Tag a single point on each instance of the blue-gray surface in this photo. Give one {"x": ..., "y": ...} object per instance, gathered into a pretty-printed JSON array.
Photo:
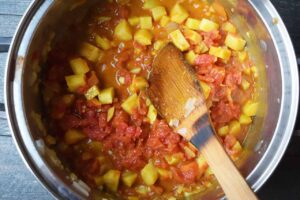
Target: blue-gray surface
[{"x": 17, "y": 182}]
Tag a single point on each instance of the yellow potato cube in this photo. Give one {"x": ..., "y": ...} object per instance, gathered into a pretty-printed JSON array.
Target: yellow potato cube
[
  {"x": 201, "y": 162},
  {"x": 245, "y": 84},
  {"x": 237, "y": 147},
  {"x": 90, "y": 52},
  {"x": 223, "y": 131},
  {"x": 136, "y": 70},
  {"x": 143, "y": 37},
  {"x": 247, "y": 71},
  {"x": 191, "y": 57},
  {"x": 134, "y": 21},
  {"x": 174, "y": 158},
  {"x": 92, "y": 92},
  {"x": 107, "y": 95},
  {"x": 75, "y": 81},
  {"x": 189, "y": 152},
  {"x": 158, "y": 44},
  {"x": 146, "y": 22},
  {"x": 208, "y": 25},
  {"x": 250, "y": 108},
  {"x": 164, "y": 173},
  {"x": 245, "y": 120},
  {"x": 179, "y": 40},
  {"x": 98, "y": 180},
  {"x": 111, "y": 179},
  {"x": 138, "y": 83},
  {"x": 178, "y": 14},
  {"x": 158, "y": 12},
  {"x": 123, "y": 31},
  {"x": 102, "y": 42},
  {"x": 254, "y": 71},
  {"x": 131, "y": 103},
  {"x": 149, "y": 4},
  {"x": 242, "y": 56},
  {"x": 149, "y": 174},
  {"x": 206, "y": 89},
  {"x": 235, "y": 43},
  {"x": 193, "y": 23},
  {"x": 142, "y": 189},
  {"x": 164, "y": 21},
  {"x": 79, "y": 66},
  {"x": 201, "y": 48},
  {"x": 193, "y": 37},
  {"x": 152, "y": 114},
  {"x": 128, "y": 178},
  {"x": 220, "y": 52},
  {"x": 234, "y": 127},
  {"x": 73, "y": 136},
  {"x": 229, "y": 27},
  {"x": 110, "y": 113}
]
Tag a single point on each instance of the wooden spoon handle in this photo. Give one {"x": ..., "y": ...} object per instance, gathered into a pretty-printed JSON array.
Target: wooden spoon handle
[{"x": 230, "y": 179}]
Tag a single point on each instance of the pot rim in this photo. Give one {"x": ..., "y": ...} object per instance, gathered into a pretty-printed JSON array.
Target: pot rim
[{"x": 267, "y": 164}]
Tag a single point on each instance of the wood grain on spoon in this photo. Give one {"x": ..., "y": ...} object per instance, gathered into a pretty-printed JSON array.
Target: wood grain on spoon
[{"x": 172, "y": 84}]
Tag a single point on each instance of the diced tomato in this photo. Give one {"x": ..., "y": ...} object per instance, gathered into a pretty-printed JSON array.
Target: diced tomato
[
  {"x": 123, "y": 12},
  {"x": 212, "y": 38},
  {"x": 190, "y": 171},
  {"x": 225, "y": 112},
  {"x": 233, "y": 78},
  {"x": 92, "y": 79},
  {"x": 205, "y": 60}
]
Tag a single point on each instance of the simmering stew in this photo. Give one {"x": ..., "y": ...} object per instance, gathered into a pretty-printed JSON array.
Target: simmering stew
[{"x": 101, "y": 122}]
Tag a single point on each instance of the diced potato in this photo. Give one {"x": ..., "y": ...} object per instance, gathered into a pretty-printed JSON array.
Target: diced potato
[
  {"x": 179, "y": 40},
  {"x": 220, "y": 52},
  {"x": 206, "y": 89},
  {"x": 73, "y": 136},
  {"x": 234, "y": 127},
  {"x": 250, "y": 108},
  {"x": 242, "y": 55},
  {"x": 75, "y": 81},
  {"x": 191, "y": 57},
  {"x": 229, "y": 27},
  {"x": 158, "y": 44},
  {"x": 245, "y": 84},
  {"x": 164, "y": 21},
  {"x": 152, "y": 114},
  {"x": 245, "y": 120},
  {"x": 235, "y": 43},
  {"x": 174, "y": 158},
  {"x": 143, "y": 37},
  {"x": 158, "y": 12},
  {"x": 247, "y": 71},
  {"x": 134, "y": 21},
  {"x": 208, "y": 25},
  {"x": 123, "y": 31},
  {"x": 142, "y": 189},
  {"x": 102, "y": 42},
  {"x": 189, "y": 152},
  {"x": 193, "y": 23},
  {"x": 90, "y": 52},
  {"x": 79, "y": 66},
  {"x": 110, "y": 113},
  {"x": 149, "y": 4},
  {"x": 130, "y": 103},
  {"x": 208, "y": 172},
  {"x": 128, "y": 178},
  {"x": 138, "y": 83},
  {"x": 201, "y": 48},
  {"x": 149, "y": 174},
  {"x": 223, "y": 131},
  {"x": 193, "y": 37},
  {"x": 146, "y": 22},
  {"x": 121, "y": 80},
  {"x": 136, "y": 70},
  {"x": 254, "y": 71},
  {"x": 107, "y": 95},
  {"x": 237, "y": 147},
  {"x": 50, "y": 140},
  {"x": 111, "y": 179},
  {"x": 201, "y": 162},
  {"x": 99, "y": 180},
  {"x": 164, "y": 173},
  {"x": 178, "y": 14},
  {"x": 92, "y": 92}
]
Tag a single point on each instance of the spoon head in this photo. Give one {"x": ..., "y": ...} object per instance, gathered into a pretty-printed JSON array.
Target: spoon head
[{"x": 174, "y": 89}]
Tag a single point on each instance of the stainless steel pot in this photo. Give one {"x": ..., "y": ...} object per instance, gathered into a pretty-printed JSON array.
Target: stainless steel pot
[{"x": 268, "y": 42}]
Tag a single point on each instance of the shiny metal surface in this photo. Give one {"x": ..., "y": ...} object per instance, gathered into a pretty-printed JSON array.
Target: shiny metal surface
[{"x": 270, "y": 47}]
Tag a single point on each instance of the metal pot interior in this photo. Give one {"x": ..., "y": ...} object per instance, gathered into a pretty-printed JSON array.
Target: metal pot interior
[{"x": 270, "y": 49}]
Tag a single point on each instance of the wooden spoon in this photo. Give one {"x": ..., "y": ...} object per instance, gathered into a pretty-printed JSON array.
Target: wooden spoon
[{"x": 175, "y": 92}]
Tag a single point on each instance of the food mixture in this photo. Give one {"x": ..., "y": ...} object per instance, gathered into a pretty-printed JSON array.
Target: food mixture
[{"x": 100, "y": 120}]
